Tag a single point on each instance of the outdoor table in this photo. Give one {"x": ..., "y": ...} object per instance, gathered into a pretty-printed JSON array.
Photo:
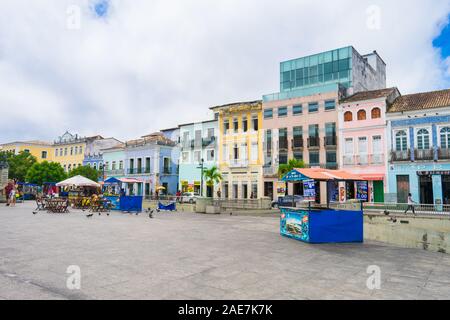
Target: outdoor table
[
  {"x": 56, "y": 205},
  {"x": 101, "y": 205}
]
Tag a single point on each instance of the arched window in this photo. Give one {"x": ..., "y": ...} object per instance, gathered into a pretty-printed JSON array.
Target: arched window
[
  {"x": 362, "y": 115},
  {"x": 401, "y": 141},
  {"x": 423, "y": 139},
  {"x": 69, "y": 167},
  {"x": 348, "y": 116},
  {"x": 376, "y": 113},
  {"x": 95, "y": 166},
  {"x": 445, "y": 138}
]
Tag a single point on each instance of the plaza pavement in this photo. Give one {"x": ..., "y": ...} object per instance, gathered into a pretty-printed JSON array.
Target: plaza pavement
[{"x": 191, "y": 256}]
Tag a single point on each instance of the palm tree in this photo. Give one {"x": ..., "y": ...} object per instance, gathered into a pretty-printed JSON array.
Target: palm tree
[
  {"x": 291, "y": 165},
  {"x": 212, "y": 176}
]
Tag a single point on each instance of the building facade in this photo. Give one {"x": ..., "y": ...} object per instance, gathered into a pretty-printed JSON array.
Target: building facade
[
  {"x": 198, "y": 144},
  {"x": 151, "y": 162},
  {"x": 240, "y": 154},
  {"x": 301, "y": 121},
  {"x": 419, "y": 148},
  {"x": 43, "y": 151},
  {"x": 362, "y": 133},
  {"x": 69, "y": 151},
  {"x": 114, "y": 161}
]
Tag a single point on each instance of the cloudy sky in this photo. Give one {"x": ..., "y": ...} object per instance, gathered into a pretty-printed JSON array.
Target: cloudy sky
[{"x": 125, "y": 68}]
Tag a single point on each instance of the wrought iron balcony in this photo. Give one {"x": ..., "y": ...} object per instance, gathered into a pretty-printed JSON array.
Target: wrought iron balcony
[
  {"x": 443, "y": 154},
  {"x": 118, "y": 172},
  {"x": 424, "y": 154},
  {"x": 349, "y": 160},
  {"x": 138, "y": 171},
  {"x": 283, "y": 144},
  {"x": 238, "y": 163},
  {"x": 270, "y": 171},
  {"x": 330, "y": 141},
  {"x": 362, "y": 159},
  {"x": 403, "y": 155},
  {"x": 209, "y": 142},
  {"x": 313, "y": 142},
  {"x": 297, "y": 142},
  {"x": 377, "y": 159}
]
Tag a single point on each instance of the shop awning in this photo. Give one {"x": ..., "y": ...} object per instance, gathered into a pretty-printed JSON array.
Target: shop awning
[
  {"x": 320, "y": 175},
  {"x": 130, "y": 180},
  {"x": 372, "y": 177}
]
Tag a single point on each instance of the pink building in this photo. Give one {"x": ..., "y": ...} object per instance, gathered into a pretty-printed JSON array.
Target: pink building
[{"x": 362, "y": 136}]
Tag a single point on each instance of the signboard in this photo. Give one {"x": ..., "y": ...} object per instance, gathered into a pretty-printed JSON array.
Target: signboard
[
  {"x": 281, "y": 189},
  {"x": 295, "y": 224},
  {"x": 294, "y": 175},
  {"x": 362, "y": 190},
  {"x": 309, "y": 190}
]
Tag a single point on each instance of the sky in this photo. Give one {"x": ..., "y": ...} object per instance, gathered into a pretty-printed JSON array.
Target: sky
[{"x": 126, "y": 68}]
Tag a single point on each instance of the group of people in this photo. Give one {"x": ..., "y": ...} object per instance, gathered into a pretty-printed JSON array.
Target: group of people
[{"x": 10, "y": 193}]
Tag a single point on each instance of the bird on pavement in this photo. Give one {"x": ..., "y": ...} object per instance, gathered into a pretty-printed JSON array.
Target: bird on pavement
[
  {"x": 35, "y": 212},
  {"x": 90, "y": 215}
]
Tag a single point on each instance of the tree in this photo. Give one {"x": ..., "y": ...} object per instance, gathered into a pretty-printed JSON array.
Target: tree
[
  {"x": 19, "y": 164},
  {"x": 39, "y": 173},
  {"x": 85, "y": 171},
  {"x": 291, "y": 165},
  {"x": 212, "y": 176}
]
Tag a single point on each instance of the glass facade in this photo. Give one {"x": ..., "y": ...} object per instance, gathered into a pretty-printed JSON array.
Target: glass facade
[{"x": 326, "y": 67}]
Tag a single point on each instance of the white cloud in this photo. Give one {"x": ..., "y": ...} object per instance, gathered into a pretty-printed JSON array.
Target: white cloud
[{"x": 154, "y": 64}]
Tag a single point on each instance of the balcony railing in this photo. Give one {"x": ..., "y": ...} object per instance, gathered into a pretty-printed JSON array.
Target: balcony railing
[
  {"x": 167, "y": 171},
  {"x": 238, "y": 163},
  {"x": 443, "y": 154},
  {"x": 330, "y": 141},
  {"x": 426, "y": 154},
  {"x": 209, "y": 142},
  {"x": 401, "y": 155},
  {"x": 270, "y": 171},
  {"x": 138, "y": 171},
  {"x": 363, "y": 159},
  {"x": 313, "y": 142},
  {"x": 283, "y": 144},
  {"x": 297, "y": 142},
  {"x": 118, "y": 172},
  {"x": 349, "y": 160}
]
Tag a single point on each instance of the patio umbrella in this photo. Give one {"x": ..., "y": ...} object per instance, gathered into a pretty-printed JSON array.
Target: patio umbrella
[
  {"x": 160, "y": 188},
  {"x": 78, "y": 181}
]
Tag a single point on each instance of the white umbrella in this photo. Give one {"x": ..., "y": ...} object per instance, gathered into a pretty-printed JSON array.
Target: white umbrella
[{"x": 78, "y": 181}]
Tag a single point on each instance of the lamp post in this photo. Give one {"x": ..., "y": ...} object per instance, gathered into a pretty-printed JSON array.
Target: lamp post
[{"x": 201, "y": 167}]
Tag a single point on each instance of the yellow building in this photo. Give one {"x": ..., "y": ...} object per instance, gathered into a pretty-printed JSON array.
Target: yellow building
[
  {"x": 43, "y": 151},
  {"x": 240, "y": 149},
  {"x": 69, "y": 151}
]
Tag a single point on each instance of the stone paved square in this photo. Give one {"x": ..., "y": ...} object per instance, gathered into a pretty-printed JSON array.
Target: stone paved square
[{"x": 191, "y": 256}]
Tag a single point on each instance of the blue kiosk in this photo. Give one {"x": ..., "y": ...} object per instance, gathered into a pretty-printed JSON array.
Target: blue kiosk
[
  {"x": 321, "y": 224},
  {"x": 122, "y": 202}
]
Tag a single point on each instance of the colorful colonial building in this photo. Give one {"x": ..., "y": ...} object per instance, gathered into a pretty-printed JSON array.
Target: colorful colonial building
[
  {"x": 240, "y": 149},
  {"x": 43, "y": 151},
  {"x": 418, "y": 135},
  {"x": 362, "y": 134},
  {"x": 199, "y": 147},
  {"x": 301, "y": 121}
]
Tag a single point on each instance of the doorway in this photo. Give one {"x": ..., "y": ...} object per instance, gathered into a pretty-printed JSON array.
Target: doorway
[
  {"x": 268, "y": 190},
  {"x": 350, "y": 190},
  {"x": 402, "y": 188},
  {"x": 298, "y": 189},
  {"x": 446, "y": 189},
  {"x": 378, "y": 192},
  {"x": 426, "y": 189}
]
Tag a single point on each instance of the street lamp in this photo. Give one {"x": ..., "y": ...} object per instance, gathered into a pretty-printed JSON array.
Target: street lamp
[{"x": 201, "y": 167}]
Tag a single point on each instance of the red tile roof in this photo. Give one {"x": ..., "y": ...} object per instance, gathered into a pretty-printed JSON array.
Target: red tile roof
[
  {"x": 421, "y": 101},
  {"x": 369, "y": 95}
]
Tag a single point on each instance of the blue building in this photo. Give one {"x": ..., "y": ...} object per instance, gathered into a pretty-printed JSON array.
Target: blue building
[
  {"x": 419, "y": 148},
  {"x": 93, "y": 156},
  {"x": 151, "y": 162},
  {"x": 198, "y": 141}
]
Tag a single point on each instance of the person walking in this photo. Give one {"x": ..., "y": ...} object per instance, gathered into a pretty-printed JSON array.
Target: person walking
[
  {"x": 12, "y": 197},
  {"x": 8, "y": 189},
  {"x": 411, "y": 203}
]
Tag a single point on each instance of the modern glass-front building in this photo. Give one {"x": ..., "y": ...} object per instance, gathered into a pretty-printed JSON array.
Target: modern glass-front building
[{"x": 301, "y": 121}]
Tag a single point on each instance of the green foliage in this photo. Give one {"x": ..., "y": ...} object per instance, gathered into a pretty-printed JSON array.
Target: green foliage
[
  {"x": 45, "y": 172},
  {"x": 212, "y": 176},
  {"x": 291, "y": 165},
  {"x": 19, "y": 164},
  {"x": 85, "y": 171}
]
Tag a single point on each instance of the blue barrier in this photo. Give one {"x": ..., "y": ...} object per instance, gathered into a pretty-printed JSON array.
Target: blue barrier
[{"x": 131, "y": 203}]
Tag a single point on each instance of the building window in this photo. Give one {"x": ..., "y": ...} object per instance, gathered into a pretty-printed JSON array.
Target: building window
[
  {"x": 65, "y": 151},
  {"x": 210, "y": 133},
  {"x": 283, "y": 158},
  {"x": 348, "y": 116},
  {"x": 81, "y": 150},
  {"x": 226, "y": 126},
  {"x": 71, "y": 151},
  {"x": 255, "y": 122},
  {"x": 197, "y": 156},
  {"x": 225, "y": 154},
  {"x": 362, "y": 115},
  {"x": 235, "y": 125},
  {"x": 423, "y": 139},
  {"x": 235, "y": 152},
  {"x": 401, "y": 141},
  {"x": 298, "y": 156},
  {"x": 210, "y": 155},
  {"x": 121, "y": 165},
  {"x": 254, "y": 151},
  {"x": 282, "y": 112},
  {"x": 313, "y": 107},
  {"x": 445, "y": 138},
  {"x": 314, "y": 159},
  {"x": 331, "y": 159},
  {"x": 376, "y": 113},
  {"x": 56, "y": 152},
  {"x": 330, "y": 105},
  {"x": 268, "y": 113},
  {"x": 69, "y": 168},
  {"x": 113, "y": 166},
  {"x": 76, "y": 150},
  {"x": 185, "y": 157},
  {"x": 44, "y": 155},
  {"x": 297, "y": 110},
  {"x": 244, "y": 124}
]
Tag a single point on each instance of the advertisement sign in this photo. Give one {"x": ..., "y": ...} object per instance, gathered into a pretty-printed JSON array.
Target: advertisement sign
[
  {"x": 309, "y": 190},
  {"x": 295, "y": 224},
  {"x": 281, "y": 189},
  {"x": 362, "y": 190}
]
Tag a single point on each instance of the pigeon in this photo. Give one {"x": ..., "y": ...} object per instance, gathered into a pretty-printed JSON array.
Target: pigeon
[
  {"x": 35, "y": 212},
  {"x": 107, "y": 214},
  {"x": 90, "y": 215},
  {"x": 150, "y": 214},
  {"x": 386, "y": 212},
  {"x": 231, "y": 213}
]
